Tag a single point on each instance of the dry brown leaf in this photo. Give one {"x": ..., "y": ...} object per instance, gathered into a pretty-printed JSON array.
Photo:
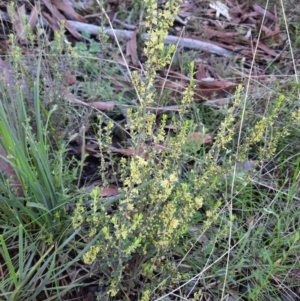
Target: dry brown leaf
[
  {"x": 109, "y": 191},
  {"x": 176, "y": 85},
  {"x": 236, "y": 9},
  {"x": 9, "y": 173},
  {"x": 250, "y": 16},
  {"x": 200, "y": 74},
  {"x": 175, "y": 75},
  {"x": 131, "y": 49},
  {"x": 205, "y": 87},
  {"x": 100, "y": 105},
  {"x": 218, "y": 84},
  {"x": 18, "y": 20},
  {"x": 8, "y": 79},
  {"x": 199, "y": 138},
  {"x": 202, "y": 94},
  {"x": 264, "y": 12},
  {"x": 215, "y": 33},
  {"x": 104, "y": 105},
  {"x": 59, "y": 17},
  {"x": 20, "y": 23},
  {"x": 236, "y": 20},
  {"x": 33, "y": 18},
  {"x": 274, "y": 34},
  {"x": 186, "y": 9},
  {"x": 53, "y": 23},
  {"x": 68, "y": 10},
  {"x": 267, "y": 50},
  {"x": 128, "y": 151},
  {"x": 69, "y": 78},
  {"x": 175, "y": 80},
  {"x": 6, "y": 73},
  {"x": 92, "y": 150}
]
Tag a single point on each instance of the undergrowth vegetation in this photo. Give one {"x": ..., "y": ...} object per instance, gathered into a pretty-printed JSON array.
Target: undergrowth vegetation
[{"x": 208, "y": 198}]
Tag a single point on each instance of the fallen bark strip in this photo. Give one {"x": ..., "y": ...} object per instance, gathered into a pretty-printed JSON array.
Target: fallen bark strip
[{"x": 127, "y": 35}]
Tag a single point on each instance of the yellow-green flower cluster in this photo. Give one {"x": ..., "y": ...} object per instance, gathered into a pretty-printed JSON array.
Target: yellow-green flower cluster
[
  {"x": 161, "y": 134},
  {"x": 145, "y": 88},
  {"x": 157, "y": 25},
  {"x": 90, "y": 256},
  {"x": 78, "y": 215},
  {"x": 226, "y": 131},
  {"x": 263, "y": 130},
  {"x": 212, "y": 215},
  {"x": 295, "y": 116},
  {"x": 104, "y": 139},
  {"x": 156, "y": 203},
  {"x": 175, "y": 145},
  {"x": 141, "y": 125},
  {"x": 188, "y": 93},
  {"x": 137, "y": 164},
  {"x": 146, "y": 295}
]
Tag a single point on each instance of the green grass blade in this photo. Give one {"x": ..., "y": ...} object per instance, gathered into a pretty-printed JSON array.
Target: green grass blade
[
  {"x": 31, "y": 272},
  {"x": 8, "y": 261},
  {"x": 21, "y": 253}
]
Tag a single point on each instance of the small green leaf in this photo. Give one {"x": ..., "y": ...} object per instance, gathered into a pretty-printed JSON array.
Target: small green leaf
[
  {"x": 85, "y": 34},
  {"x": 81, "y": 46},
  {"x": 94, "y": 48}
]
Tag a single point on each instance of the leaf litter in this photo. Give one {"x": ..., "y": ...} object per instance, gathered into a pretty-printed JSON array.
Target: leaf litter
[{"x": 227, "y": 30}]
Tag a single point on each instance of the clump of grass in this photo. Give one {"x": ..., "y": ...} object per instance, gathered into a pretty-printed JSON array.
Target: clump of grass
[{"x": 36, "y": 237}]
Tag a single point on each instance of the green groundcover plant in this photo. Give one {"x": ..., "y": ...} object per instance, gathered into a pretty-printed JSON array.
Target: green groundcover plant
[{"x": 140, "y": 239}]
